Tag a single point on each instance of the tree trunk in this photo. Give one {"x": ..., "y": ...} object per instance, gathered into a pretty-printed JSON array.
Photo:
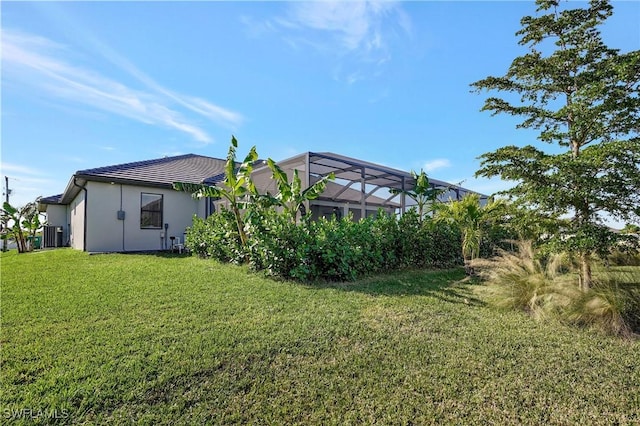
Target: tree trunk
[
  {"x": 21, "y": 243},
  {"x": 240, "y": 226},
  {"x": 586, "y": 277},
  {"x": 468, "y": 266},
  {"x": 469, "y": 269}
]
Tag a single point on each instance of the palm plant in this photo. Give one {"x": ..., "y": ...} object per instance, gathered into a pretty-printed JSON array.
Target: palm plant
[
  {"x": 630, "y": 228},
  {"x": 470, "y": 217}
]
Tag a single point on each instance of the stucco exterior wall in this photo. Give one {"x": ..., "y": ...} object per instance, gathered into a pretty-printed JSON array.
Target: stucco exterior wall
[
  {"x": 76, "y": 220},
  {"x": 58, "y": 215},
  {"x": 107, "y": 233}
]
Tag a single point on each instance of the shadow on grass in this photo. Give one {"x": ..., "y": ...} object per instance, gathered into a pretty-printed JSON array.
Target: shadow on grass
[
  {"x": 450, "y": 285},
  {"x": 165, "y": 254}
]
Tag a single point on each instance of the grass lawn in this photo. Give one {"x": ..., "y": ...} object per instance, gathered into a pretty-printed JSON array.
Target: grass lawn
[{"x": 153, "y": 339}]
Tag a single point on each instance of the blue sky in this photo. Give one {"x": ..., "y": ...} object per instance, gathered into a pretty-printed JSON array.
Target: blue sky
[{"x": 89, "y": 84}]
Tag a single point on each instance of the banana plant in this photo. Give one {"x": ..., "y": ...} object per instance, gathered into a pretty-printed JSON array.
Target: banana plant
[
  {"x": 21, "y": 223},
  {"x": 291, "y": 197},
  {"x": 422, "y": 193},
  {"x": 236, "y": 187}
]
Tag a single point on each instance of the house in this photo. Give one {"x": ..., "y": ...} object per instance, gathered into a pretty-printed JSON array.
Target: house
[
  {"x": 128, "y": 207},
  {"x": 133, "y": 207}
]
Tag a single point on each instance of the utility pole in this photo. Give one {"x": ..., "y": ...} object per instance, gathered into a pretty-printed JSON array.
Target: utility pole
[{"x": 7, "y": 191}]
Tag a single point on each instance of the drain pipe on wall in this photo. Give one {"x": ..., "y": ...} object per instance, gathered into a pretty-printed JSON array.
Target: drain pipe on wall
[
  {"x": 86, "y": 205},
  {"x": 123, "y": 217}
]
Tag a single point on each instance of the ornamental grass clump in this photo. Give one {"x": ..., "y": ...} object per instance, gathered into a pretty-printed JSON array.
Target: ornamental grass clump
[
  {"x": 520, "y": 280},
  {"x": 547, "y": 288},
  {"x": 612, "y": 304}
]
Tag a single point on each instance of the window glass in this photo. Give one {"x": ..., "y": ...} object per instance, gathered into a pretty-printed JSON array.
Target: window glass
[{"x": 151, "y": 211}]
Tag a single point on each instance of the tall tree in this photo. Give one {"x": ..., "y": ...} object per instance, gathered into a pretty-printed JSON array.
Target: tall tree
[{"x": 584, "y": 98}]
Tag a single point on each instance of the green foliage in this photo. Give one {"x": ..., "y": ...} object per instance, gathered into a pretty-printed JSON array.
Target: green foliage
[
  {"x": 423, "y": 193},
  {"x": 291, "y": 197},
  {"x": 522, "y": 223},
  {"x": 327, "y": 249},
  {"x": 236, "y": 186},
  {"x": 22, "y": 224},
  {"x": 334, "y": 250},
  {"x": 612, "y": 304},
  {"x": 546, "y": 288},
  {"x": 623, "y": 258},
  {"x": 582, "y": 96},
  {"x": 472, "y": 221},
  {"x": 497, "y": 235},
  {"x": 216, "y": 237},
  {"x": 522, "y": 280},
  {"x": 276, "y": 244},
  {"x": 631, "y": 228}
]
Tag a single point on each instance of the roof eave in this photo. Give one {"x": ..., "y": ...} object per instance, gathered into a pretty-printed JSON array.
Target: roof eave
[
  {"x": 72, "y": 189},
  {"x": 78, "y": 181},
  {"x": 124, "y": 181}
]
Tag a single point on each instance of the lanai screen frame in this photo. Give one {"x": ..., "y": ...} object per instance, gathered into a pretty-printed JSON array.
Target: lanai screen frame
[{"x": 319, "y": 164}]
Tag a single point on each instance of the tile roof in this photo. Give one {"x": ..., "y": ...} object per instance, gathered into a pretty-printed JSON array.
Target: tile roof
[
  {"x": 53, "y": 199},
  {"x": 190, "y": 168},
  {"x": 215, "y": 179},
  {"x": 212, "y": 180}
]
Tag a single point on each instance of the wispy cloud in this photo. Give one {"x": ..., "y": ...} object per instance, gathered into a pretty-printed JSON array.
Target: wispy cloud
[
  {"x": 25, "y": 182},
  {"x": 39, "y": 62},
  {"x": 357, "y": 32},
  {"x": 73, "y": 159},
  {"x": 439, "y": 163},
  {"x": 354, "y": 25},
  {"x": 349, "y": 22},
  {"x": 164, "y": 154},
  {"x": 8, "y": 168}
]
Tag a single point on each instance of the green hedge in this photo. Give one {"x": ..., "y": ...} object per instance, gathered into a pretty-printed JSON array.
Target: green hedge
[{"x": 326, "y": 249}]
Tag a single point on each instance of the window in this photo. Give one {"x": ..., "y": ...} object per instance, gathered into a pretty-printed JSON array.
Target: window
[
  {"x": 212, "y": 206},
  {"x": 150, "y": 211}
]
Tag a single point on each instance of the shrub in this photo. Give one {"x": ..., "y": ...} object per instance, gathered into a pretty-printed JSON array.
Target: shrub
[
  {"x": 277, "y": 245},
  {"x": 385, "y": 230},
  {"x": 411, "y": 244},
  {"x": 216, "y": 237},
  {"x": 326, "y": 249},
  {"x": 442, "y": 245}
]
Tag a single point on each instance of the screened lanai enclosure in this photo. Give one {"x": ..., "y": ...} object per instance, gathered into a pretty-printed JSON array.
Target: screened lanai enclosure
[{"x": 360, "y": 188}]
